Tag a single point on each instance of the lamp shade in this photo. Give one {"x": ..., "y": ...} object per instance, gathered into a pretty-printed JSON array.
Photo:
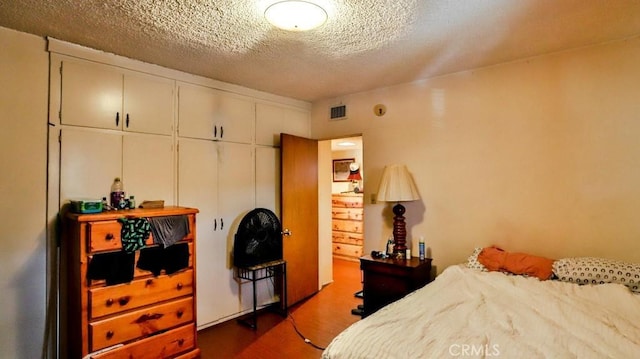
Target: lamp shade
[{"x": 397, "y": 185}]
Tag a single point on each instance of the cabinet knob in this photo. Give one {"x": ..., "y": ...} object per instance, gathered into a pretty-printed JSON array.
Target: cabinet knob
[
  {"x": 180, "y": 313},
  {"x": 124, "y": 300},
  {"x": 148, "y": 282},
  {"x": 179, "y": 286},
  {"x": 180, "y": 342},
  {"x": 127, "y": 121},
  {"x": 109, "y": 302},
  {"x": 117, "y": 119},
  {"x": 286, "y": 232},
  {"x": 109, "y": 236},
  {"x": 110, "y": 334}
]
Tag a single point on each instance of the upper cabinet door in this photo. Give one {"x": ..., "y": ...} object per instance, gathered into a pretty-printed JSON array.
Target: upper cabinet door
[
  {"x": 268, "y": 124},
  {"x": 236, "y": 118},
  {"x": 272, "y": 120},
  {"x": 91, "y": 95},
  {"x": 101, "y": 96},
  {"x": 148, "y": 104},
  {"x": 214, "y": 115}
]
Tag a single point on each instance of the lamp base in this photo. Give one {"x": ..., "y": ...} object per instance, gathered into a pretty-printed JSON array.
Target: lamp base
[{"x": 399, "y": 232}]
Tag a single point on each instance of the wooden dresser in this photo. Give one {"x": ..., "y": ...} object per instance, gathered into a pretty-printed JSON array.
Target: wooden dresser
[
  {"x": 148, "y": 317},
  {"x": 347, "y": 225}
]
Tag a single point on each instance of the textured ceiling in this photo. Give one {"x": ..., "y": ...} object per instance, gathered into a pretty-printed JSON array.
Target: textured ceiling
[{"x": 364, "y": 44}]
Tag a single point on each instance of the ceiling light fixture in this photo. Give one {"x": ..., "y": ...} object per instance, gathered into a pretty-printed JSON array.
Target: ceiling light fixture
[{"x": 296, "y": 15}]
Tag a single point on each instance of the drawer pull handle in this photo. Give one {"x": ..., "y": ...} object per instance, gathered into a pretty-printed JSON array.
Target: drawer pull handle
[
  {"x": 180, "y": 342},
  {"x": 110, "y": 334},
  {"x": 179, "y": 286},
  {"x": 124, "y": 300},
  {"x": 149, "y": 282},
  {"x": 180, "y": 313},
  {"x": 109, "y": 302},
  {"x": 145, "y": 317},
  {"x": 109, "y": 236}
]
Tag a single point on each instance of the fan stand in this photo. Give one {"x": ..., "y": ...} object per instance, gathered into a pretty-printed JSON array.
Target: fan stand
[{"x": 259, "y": 272}]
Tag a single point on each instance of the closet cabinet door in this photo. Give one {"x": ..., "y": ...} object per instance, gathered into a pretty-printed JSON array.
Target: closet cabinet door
[
  {"x": 236, "y": 118},
  {"x": 196, "y": 108},
  {"x": 297, "y": 123},
  {"x": 198, "y": 187},
  {"x": 268, "y": 124},
  {"x": 214, "y": 115},
  {"x": 268, "y": 178},
  {"x": 89, "y": 161},
  {"x": 148, "y": 104},
  {"x": 91, "y": 95},
  {"x": 148, "y": 167},
  {"x": 102, "y": 96},
  {"x": 236, "y": 196},
  {"x": 272, "y": 120}
]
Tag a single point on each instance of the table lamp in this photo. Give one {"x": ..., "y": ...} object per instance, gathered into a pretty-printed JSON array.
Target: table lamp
[
  {"x": 354, "y": 176},
  {"x": 397, "y": 186}
]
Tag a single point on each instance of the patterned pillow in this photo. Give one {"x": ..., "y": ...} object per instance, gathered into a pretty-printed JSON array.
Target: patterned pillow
[
  {"x": 591, "y": 270},
  {"x": 472, "y": 261}
]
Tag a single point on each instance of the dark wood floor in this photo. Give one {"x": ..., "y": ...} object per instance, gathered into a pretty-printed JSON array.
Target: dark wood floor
[{"x": 319, "y": 319}]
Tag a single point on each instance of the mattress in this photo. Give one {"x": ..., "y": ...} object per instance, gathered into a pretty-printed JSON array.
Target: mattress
[{"x": 468, "y": 313}]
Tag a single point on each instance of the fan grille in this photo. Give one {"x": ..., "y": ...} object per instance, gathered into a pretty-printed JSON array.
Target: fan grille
[{"x": 258, "y": 240}]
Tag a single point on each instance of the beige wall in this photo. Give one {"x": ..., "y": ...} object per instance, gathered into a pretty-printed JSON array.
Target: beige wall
[
  {"x": 541, "y": 155},
  {"x": 23, "y": 144}
]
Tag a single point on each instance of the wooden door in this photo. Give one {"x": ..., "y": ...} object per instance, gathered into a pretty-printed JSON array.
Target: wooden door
[{"x": 299, "y": 182}]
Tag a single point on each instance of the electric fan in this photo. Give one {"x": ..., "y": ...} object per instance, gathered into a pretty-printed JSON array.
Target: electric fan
[{"x": 258, "y": 240}]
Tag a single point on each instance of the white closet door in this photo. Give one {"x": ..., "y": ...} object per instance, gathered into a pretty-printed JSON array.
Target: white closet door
[
  {"x": 297, "y": 123},
  {"x": 268, "y": 178},
  {"x": 197, "y": 187},
  {"x": 89, "y": 161},
  {"x": 236, "y": 186},
  {"x": 236, "y": 117},
  {"x": 148, "y": 168},
  {"x": 148, "y": 104},
  {"x": 269, "y": 124},
  {"x": 196, "y": 112},
  {"x": 91, "y": 95}
]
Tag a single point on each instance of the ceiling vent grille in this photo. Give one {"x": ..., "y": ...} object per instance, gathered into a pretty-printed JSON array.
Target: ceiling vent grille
[{"x": 338, "y": 113}]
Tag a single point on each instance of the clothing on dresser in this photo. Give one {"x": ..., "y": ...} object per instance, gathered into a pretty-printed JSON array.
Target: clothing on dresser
[
  {"x": 171, "y": 259},
  {"x": 168, "y": 230}
]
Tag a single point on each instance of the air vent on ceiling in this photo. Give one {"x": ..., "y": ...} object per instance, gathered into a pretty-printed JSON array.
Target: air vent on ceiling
[{"x": 338, "y": 113}]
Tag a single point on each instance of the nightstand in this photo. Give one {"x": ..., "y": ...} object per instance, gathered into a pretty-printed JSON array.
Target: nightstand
[{"x": 387, "y": 280}]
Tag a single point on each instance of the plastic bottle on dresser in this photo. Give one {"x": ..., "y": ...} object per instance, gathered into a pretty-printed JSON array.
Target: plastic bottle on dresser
[
  {"x": 117, "y": 193},
  {"x": 421, "y": 248}
]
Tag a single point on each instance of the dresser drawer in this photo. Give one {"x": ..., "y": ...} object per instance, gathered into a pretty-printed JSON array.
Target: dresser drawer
[
  {"x": 140, "y": 323},
  {"x": 347, "y": 213},
  {"x": 348, "y": 250},
  {"x": 113, "y": 299},
  {"x": 346, "y": 201},
  {"x": 105, "y": 236},
  {"x": 347, "y": 226},
  {"x": 137, "y": 272},
  {"x": 348, "y": 238},
  {"x": 162, "y": 345}
]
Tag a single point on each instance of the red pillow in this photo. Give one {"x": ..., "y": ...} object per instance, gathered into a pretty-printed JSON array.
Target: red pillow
[{"x": 496, "y": 259}]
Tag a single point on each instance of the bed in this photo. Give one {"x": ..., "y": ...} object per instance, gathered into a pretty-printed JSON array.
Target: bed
[{"x": 471, "y": 312}]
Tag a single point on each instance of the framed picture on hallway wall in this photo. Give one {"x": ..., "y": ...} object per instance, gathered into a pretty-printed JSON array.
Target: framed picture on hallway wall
[{"x": 341, "y": 169}]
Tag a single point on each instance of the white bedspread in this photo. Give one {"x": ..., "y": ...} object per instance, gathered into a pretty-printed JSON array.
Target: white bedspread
[{"x": 467, "y": 313}]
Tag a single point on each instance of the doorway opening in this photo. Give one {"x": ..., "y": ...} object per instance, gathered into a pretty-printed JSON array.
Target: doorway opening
[{"x": 342, "y": 176}]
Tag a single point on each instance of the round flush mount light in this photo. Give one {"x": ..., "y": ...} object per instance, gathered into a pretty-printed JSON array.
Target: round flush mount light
[{"x": 295, "y": 15}]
